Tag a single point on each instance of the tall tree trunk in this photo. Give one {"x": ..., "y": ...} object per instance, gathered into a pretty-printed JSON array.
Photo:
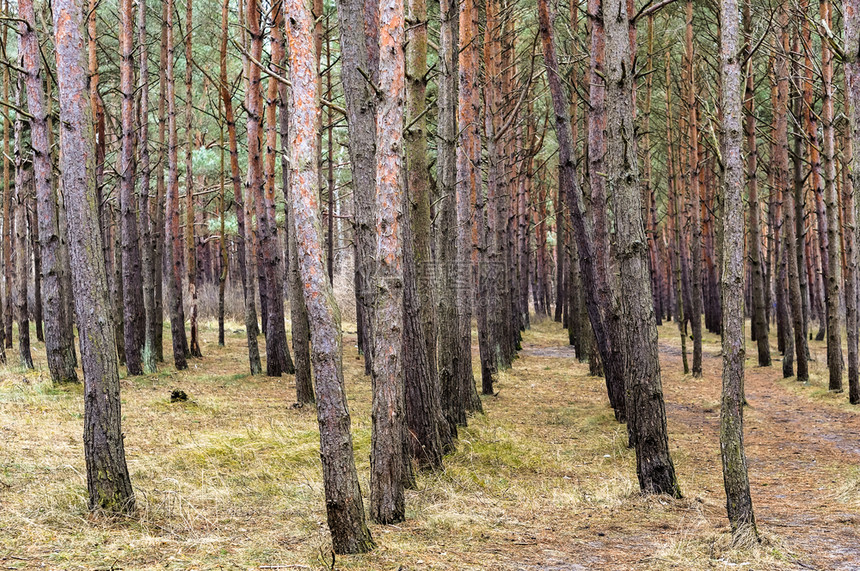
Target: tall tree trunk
[
  {"x": 58, "y": 344},
  {"x": 387, "y": 503},
  {"x": 344, "y": 506},
  {"x": 735, "y": 477},
  {"x": 695, "y": 201},
  {"x": 851, "y": 35},
  {"x": 190, "y": 239},
  {"x": 468, "y": 184},
  {"x": 831, "y": 199},
  {"x": 759, "y": 309},
  {"x": 356, "y": 40},
  {"x": 611, "y": 344},
  {"x": 157, "y": 210},
  {"x": 108, "y": 481},
  {"x": 172, "y": 232},
  {"x": 242, "y": 239},
  {"x": 424, "y": 419},
  {"x": 644, "y": 392},
  {"x": 132, "y": 275},
  {"x": 8, "y": 212},
  {"x": 148, "y": 259},
  {"x": 449, "y": 317},
  {"x": 278, "y": 360},
  {"x": 21, "y": 257},
  {"x": 674, "y": 208}
]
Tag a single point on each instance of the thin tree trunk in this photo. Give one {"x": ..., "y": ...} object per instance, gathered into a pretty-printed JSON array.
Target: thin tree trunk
[
  {"x": 190, "y": 239},
  {"x": 735, "y": 477},
  {"x": 172, "y": 231},
  {"x": 851, "y": 35},
  {"x": 157, "y": 210},
  {"x": 695, "y": 201},
  {"x": 8, "y": 212},
  {"x": 22, "y": 274},
  {"x": 108, "y": 481},
  {"x": 831, "y": 198},
  {"x": 132, "y": 275},
  {"x": 242, "y": 239},
  {"x": 278, "y": 360},
  {"x": 148, "y": 260},
  {"x": 759, "y": 310},
  {"x": 344, "y": 505},
  {"x": 674, "y": 208}
]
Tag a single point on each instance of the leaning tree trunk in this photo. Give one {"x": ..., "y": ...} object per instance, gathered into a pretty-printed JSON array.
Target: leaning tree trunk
[
  {"x": 644, "y": 392},
  {"x": 735, "y": 477},
  {"x": 58, "y": 344},
  {"x": 108, "y": 481},
  {"x": 344, "y": 505}
]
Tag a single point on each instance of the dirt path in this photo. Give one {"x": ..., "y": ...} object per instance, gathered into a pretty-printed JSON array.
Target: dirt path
[{"x": 799, "y": 452}]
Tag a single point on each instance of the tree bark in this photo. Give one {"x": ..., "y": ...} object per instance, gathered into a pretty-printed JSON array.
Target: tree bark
[
  {"x": 171, "y": 231},
  {"x": 851, "y": 35},
  {"x": 644, "y": 392},
  {"x": 387, "y": 503},
  {"x": 108, "y": 481},
  {"x": 361, "y": 125},
  {"x": 55, "y": 257},
  {"x": 132, "y": 275},
  {"x": 344, "y": 505},
  {"x": 468, "y": 184},
  {"x": 190, "y": 239},
  {"x": 242, "y": 239},
  {"x": 147, "y": 250},
  {"x": 735, "y": 477},
  {"x": 449, "y": 317},
  {"x": 21, "y": 257},
  {"x": 831, "y": 198},
  {"x": 695, "y": 202},
  {"x": 759, "y": 309}
]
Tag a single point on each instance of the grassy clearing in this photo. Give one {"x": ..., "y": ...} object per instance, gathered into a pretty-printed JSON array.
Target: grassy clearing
[{"x": 232, "y": 478}]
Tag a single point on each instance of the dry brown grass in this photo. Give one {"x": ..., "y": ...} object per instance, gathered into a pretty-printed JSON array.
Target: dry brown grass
[{"x": 232, "y": 479}]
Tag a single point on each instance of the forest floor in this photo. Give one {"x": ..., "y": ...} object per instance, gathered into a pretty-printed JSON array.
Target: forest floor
[{"x": 542, "y": 481}]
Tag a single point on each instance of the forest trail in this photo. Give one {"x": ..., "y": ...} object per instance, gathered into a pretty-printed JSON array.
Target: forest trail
[
  {"x": 802, "y": 455},
  {"x": 543, "y": 481}
]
